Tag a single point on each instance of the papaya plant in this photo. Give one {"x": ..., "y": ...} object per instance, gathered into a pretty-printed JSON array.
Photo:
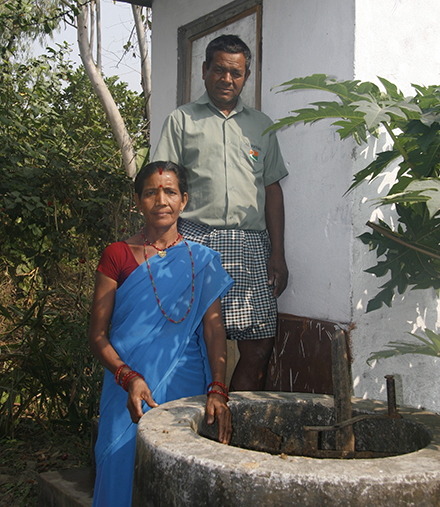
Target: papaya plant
[
  {"x": 411, "y": 250},
  {"x": 430, "y": 346},
  {"x": 408, "y": 253}
]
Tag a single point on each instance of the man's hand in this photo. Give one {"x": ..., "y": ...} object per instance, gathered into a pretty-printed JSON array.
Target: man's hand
[
  {"x": 277, "y": 273},
  {"x": 216, "y": 407},
  {"x": 138, "y": 391}
]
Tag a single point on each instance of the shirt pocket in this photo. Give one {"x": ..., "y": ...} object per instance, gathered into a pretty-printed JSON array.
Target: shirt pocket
[{"x": 252, "y": 156}]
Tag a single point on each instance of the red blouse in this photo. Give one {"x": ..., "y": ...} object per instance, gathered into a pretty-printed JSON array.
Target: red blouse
[{"x": 117, "y": 262}]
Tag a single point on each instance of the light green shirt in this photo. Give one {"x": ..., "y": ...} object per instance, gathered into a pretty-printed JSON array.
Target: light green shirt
[{"x": 228, "y": 159}]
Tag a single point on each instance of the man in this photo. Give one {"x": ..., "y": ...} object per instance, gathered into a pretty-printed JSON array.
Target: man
[{"x": 234, "y": 197}]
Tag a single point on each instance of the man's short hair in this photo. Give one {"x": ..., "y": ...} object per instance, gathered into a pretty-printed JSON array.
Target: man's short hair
[{"x": 228, "y": 44}]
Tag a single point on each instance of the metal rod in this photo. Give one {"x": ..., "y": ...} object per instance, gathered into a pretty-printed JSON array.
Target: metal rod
[
  {"x": 391, "y": 397},
  {"x": 344, "y": 424}
]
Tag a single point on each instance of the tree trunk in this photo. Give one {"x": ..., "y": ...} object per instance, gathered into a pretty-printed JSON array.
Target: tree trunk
[
  {"x": 98, "y": 36},
  {"x": 145, "y": 61},
  {"x": 104, "y": 96}
]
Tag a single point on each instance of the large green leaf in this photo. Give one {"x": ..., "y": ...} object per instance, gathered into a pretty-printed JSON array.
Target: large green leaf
[
  {"x": 418, "y": 191},
  {"x": 376, "y": 113},
  {"x": 322, "y": 111},
  {"x": 428, "y": 347},
  {"x": 347, "y": 91},
  {"x": 410, "y": 256},
  {"x": 382, "y": 161}
]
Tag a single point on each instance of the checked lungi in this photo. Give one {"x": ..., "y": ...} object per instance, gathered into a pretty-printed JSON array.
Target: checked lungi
[{"x": 249, "y": 308}]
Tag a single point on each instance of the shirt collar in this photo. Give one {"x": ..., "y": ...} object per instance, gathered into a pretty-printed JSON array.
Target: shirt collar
[{"x": 204, "y": 99}]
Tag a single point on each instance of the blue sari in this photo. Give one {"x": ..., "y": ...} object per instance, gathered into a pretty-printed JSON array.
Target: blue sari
[{"x": 172, "y": 357}]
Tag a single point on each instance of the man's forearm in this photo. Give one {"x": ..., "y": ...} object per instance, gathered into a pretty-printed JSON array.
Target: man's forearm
[
  {"x": 277, "y": 271},
  {"x": 275, "y": 217}
]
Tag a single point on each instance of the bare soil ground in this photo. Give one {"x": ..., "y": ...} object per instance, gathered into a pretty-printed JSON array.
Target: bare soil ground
[{"x": 37, "y": 448}]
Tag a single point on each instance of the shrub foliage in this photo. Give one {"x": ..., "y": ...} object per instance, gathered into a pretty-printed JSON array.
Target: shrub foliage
[{"x": 64, "y": 196}]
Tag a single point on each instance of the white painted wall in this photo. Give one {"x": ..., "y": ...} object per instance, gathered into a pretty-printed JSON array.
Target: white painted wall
[
  {"x": 299, "y": 38},
  {"x": 396, "y": 39},
  {"x": 302, "y": 38}
]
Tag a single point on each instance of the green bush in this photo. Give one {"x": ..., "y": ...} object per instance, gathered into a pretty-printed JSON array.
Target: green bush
[{"x": 64, "y": 196}]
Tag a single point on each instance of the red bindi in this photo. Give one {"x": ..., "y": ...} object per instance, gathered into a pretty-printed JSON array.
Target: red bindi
[
  {"x": 160, "y": 171},
  {"x": 160, "y": 186}
]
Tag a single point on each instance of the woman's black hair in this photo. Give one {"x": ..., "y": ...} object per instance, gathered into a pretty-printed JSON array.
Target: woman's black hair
[{"x": 153, "y": 167}]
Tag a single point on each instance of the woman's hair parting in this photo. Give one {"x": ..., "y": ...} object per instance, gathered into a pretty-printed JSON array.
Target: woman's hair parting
[{"x": 159, "y": 167}]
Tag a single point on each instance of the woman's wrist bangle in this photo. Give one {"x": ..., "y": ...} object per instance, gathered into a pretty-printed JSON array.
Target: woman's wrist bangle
[
  {"x": 118, "y": 373},
  {"x": 128, "y": 377},
  {"x": 220, "y": 384},
  {"x": 214, "y": 391}
]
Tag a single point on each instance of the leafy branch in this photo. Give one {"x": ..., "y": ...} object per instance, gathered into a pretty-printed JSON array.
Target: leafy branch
[{"x": 398, "y": 239}]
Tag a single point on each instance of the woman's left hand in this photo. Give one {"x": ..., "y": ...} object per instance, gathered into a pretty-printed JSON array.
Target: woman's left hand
[{"x": 216, "y": 407}]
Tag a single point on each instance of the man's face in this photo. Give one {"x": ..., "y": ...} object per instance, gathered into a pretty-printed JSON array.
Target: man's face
[{"x": 225, "y": 79}]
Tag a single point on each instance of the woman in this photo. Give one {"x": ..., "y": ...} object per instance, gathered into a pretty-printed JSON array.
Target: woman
[{"x": 167, "y": 340}]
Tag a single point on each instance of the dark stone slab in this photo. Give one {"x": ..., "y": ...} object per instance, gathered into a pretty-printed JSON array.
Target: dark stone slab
[{"x": 66, "y": 488}]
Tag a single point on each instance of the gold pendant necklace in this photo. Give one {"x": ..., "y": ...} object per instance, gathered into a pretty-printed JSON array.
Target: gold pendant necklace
[{"x": 161, "y": 252}]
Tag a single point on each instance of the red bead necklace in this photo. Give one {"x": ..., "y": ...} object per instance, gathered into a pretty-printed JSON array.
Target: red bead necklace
[{"x": 154, "y": 285}]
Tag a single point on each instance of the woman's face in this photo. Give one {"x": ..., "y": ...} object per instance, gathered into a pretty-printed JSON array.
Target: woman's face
[{"x": 161, "y": 201}]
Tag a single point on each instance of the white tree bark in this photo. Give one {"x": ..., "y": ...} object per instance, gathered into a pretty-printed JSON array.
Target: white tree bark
[
  {"x": 98, "y": 36},
  {"x": 106, "y": 99},
  {"x": 145, "y": 61},
  {"x": 92, "y": 25}
]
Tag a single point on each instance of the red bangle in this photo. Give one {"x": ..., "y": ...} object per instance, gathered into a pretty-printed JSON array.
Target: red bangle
[
  {"x": 214, "y": 391},
  {"x": 127, "y": 377},
  {"x": 118, "y": 373},
  {"x": 220, "y": 384},
  {"x": 130, "y": 376}
]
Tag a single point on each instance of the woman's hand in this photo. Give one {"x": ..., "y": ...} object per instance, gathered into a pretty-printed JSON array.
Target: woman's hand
[
  {"x": 215, "y": 340},
  {"x": 216, "y": 407},
  {"x": 138, "y": 391}
]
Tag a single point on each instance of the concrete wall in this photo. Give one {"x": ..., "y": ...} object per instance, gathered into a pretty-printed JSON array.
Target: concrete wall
[
  {"x": 345, "y": 39},
  {"x": 318, "y": 218},
  {"x": 310, "y": 39},
  {"x": 397, "y": 40}
]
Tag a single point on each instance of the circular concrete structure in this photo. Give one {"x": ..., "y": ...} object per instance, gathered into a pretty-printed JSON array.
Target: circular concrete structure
[{"x": 177, "y": 466}]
